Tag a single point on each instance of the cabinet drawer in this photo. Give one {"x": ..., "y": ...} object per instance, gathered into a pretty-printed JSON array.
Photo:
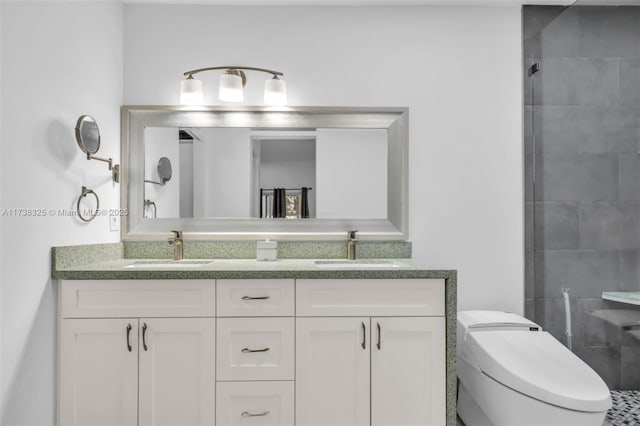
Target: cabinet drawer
[
  {"x": 255, "y": 349},
  {"x": 137, "y": 298},
  {"x": 255, "y": 403},
  {"x": 255, "y": 298},
  {"x": 367, "y": 297}
]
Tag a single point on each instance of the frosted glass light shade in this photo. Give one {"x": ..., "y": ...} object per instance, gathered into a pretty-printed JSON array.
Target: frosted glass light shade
[
  {"x": 191, "y": 92},
  {"x": 231, "y": 88},
  {"x": 275, "y": 92}
]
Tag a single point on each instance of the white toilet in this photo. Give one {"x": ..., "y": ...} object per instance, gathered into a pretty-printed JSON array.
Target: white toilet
[{"x": 511, "y": 373}]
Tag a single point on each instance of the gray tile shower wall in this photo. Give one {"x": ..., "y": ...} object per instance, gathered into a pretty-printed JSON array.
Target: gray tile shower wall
[{"x": 582, "y": 177}]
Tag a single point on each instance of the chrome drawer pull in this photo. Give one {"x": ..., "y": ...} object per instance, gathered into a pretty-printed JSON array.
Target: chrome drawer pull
[
  {"x": 247, "y": 350},
  {"x": 248, "y": 414},
  {"x": 128, "y": 332},
  {"x": 144, "y": 336},
  {"x": 255, "y": 297}
]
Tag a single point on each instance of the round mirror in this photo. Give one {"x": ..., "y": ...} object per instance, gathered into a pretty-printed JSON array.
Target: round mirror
[
  {"x": 87, "y": 134},
  {"x": 164, "y": 169}
]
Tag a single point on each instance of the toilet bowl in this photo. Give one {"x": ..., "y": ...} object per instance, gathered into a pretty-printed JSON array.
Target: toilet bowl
[{"x": 511, "y": 373}]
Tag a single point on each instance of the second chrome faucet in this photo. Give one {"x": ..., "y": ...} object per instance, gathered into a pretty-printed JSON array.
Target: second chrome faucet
[
  {"x": 351, "y": 245},
  {"x": 178, "y": 245}
]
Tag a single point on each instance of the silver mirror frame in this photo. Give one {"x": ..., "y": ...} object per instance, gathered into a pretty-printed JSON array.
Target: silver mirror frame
[{"x": 134, "y": 227}]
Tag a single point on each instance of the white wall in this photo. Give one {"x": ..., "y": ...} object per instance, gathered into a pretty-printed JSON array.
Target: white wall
[
  {"x": 1, "y": 355},
  {"x": 458, "y": 69},
  {"x": 355, "y": 161},
  {"x": 59, "y": 61},
  {"x": 222, "y": 171},
  {"x": 185, "y": 151}
]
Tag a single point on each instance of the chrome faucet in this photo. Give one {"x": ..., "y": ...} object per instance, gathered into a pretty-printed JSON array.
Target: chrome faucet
[
  {"x": 178, "y": 245},
  {"x": 351, "y": 245}
]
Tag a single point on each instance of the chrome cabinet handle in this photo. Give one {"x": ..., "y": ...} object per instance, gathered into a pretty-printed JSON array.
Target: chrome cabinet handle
[
  {"x": 144, "y": 336},
  {"x": 255, "y": 297},
  {"x": 364, "y": 336},
  {"x": 247, "y": 350},
  {"x": 248, "y": 414},
  {"x": 379, "y": 344},
  {"x": 128, "y": 332}
]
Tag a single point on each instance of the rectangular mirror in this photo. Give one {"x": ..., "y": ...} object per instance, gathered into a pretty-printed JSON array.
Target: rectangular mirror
[{"x": 229, "y": 173}]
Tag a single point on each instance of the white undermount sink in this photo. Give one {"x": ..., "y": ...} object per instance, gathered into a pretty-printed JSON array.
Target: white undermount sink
[
  {"x": 355, "y": 264},
  {"x": 169, "y": 264}
]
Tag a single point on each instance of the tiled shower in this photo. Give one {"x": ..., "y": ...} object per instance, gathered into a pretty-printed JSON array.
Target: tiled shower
[{"x": 582, "y": 179}]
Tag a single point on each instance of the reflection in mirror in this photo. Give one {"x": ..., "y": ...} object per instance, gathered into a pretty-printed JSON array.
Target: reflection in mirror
[
  {"x": 164, "y": 170},
  {"x": 87, "y": 134},
  {"x": 161, "y": 147},
  {"x": 274, "y": 173},
  {"x": 284, "y": 173},
  {"x": 259, "y": 172}
]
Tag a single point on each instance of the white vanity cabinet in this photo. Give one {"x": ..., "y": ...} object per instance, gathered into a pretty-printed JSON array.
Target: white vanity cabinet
[
  {"x": 385, "y": 368},
  {"x": 270, "y": 352},
  {"x": 255, "y": 349},
  {"x": 333, "y": 371},
  {"x": 98, "y": 375},
  {"x": 256, "y": 352},
  {"x": 255, "y": 403},
  {"x": 407, "y": 374},
  {"x": 176, "y": 371},
  {"x": 131, "y": 368}
]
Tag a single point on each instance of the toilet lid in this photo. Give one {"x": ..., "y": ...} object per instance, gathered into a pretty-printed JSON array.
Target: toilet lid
[
  {"x": 537, "y": 365},
  {"x": 492, "y": 319}
]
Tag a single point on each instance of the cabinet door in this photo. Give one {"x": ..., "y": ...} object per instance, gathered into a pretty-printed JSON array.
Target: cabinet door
[
  {"x": 98, "y": 375},
  {"x": 332, "y": 371},
  {"x": 408, "y": 371},
  {"x": 177, "y": 371}
]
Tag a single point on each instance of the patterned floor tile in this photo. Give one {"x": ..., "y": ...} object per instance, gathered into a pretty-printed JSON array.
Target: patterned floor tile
[{"x": 625, "y": 409}]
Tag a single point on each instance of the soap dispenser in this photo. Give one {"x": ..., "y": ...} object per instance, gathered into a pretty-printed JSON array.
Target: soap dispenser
[{"x": 267, "y": 250}]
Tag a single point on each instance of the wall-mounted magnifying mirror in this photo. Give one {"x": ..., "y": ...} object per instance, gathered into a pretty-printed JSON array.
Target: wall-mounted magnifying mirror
[
  {"x": 88, "y": 138},
  {"x": 164, "y": 170},
  {"x": 88, "y": 135}
]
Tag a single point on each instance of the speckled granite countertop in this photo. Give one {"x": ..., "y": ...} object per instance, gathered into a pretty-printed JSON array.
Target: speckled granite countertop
[
  {"x": 110, "y": 261},
  {"x": 243, "y": 268}
]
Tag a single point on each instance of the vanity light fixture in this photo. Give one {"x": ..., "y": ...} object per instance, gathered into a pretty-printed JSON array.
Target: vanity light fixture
[{"x": 232, "y": 83}]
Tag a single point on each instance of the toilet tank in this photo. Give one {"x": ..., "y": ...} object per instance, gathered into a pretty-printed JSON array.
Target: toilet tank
[{"x": 483, "y": 321}]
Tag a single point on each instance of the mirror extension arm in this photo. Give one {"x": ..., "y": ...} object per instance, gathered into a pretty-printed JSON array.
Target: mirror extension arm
[{"x": 115, "y": 169}]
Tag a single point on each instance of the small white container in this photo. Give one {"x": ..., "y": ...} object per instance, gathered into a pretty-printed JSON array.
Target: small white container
[{"x": 267, "y": 250}]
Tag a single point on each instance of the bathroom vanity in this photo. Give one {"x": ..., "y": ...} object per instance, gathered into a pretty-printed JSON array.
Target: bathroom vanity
[
  {"x": 222, "y": 339},
  {"x": 238, "y": 342}
]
